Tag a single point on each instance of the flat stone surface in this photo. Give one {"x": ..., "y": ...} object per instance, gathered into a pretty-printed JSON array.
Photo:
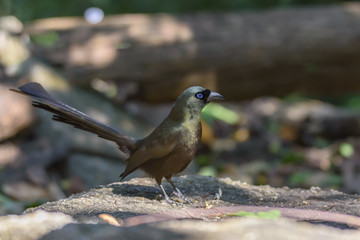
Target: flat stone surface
[
  {"x": 77, "y": 217},
  {"x": 31, "y": 226},
  {"x": 243, "y": 228},
  {"x": 142, "y": 196}
]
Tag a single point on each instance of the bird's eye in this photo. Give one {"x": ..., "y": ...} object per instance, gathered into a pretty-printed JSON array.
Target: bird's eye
[{"x": 199, "y": 95}]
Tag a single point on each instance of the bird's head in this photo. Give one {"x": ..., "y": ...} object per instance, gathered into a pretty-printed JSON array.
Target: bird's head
[{"x": 194, "y": 99}]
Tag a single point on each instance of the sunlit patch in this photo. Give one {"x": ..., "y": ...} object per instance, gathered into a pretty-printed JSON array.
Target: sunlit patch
[
  {"x": 94, "y": 15},
  {"x": 241, "y": 134}
]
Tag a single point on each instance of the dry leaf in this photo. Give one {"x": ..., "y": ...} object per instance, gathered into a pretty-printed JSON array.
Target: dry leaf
[{"x": 109, "y": 219}]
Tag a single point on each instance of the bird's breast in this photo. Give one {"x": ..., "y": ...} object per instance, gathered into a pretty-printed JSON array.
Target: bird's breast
[{"x": 191, "y": 134}]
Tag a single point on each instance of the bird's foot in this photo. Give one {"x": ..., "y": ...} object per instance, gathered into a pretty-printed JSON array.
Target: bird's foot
[
  {"x": 172, "y": 202},
  {"x": 167, "y": 199},
  {"x": 180, "y": 195},
  {"x": 178, "y": 192}
]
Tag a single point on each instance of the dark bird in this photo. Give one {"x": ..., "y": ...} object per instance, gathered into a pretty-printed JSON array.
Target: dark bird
[{"x": 166, "y": 151}]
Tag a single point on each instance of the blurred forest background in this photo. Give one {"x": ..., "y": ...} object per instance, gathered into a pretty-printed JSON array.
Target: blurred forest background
[
  {"x": 27, "y": 11},
  {"x": 288, "y": 69}
]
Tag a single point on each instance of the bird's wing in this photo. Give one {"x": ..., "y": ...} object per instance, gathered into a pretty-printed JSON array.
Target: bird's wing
[
  {"x": 156, "y": 146},
  {"x": 69, "y": 115}
]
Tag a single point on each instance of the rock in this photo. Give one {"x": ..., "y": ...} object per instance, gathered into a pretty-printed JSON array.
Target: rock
[
  {"x": 11, "y": 24},
  {"x": 16, "y": 113},
  {"x": 31, "y": 226},
  {"x": 13, "y": 53},
  {"x": 244, "y": 228},
  {"x": 9, "y": 153},
  {"x": 305, "y": 119},
  {"x": 141, "y": 196},
  {"x": 24, "y": 191},
  {"x": 136, "y": 206}
]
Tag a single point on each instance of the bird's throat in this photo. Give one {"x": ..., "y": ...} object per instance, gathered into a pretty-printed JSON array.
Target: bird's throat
[{"x": 185, "y": 114}]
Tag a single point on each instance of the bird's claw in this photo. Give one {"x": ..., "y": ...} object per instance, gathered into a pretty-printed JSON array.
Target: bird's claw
[
  {"x": 188, "y": 201},
  {"x": 180, "y": 195},
  {"x": 173, "y": 203}
]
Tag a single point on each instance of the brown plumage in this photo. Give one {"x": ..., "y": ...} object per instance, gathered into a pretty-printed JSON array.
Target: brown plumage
[{"x": 166, "y": 151}]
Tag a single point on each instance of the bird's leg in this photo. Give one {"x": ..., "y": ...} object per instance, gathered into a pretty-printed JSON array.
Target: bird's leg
[
  {"x": 167, "y": 199},
  {"x": 178, "y": 192}
]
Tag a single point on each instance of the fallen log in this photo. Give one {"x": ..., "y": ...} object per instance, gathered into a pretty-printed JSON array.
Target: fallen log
[{"x": 309, "y": 50}]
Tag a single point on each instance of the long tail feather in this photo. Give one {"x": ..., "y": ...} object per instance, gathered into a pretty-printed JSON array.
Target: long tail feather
[{"x": 65, "y": 113}]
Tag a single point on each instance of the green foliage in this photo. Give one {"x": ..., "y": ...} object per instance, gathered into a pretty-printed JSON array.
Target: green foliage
[
  {"x": 321, "y": 142},
  {"x": 299, "y": 178},
  {"x": 346, "y": 149},
  {"x": 333, "y": 181},
  {"x": 35, "y": 203},
  {"x": 208, "y": 171},
  {"x": 353, "y": 102},
  {"x": 216, "y": 111},
  {"x": 203, "y": 160},
  {"x": 295, "y": 98},
  {"x": 274, "y": 147},
  {"x": 47, "y": 39},
  {"x": 349, "y": 101},
  {"x": 271, "y": 214},
  {"x": 292, "y": 157},
  {"x": 273, "y": 127},
  {"x": 30, "y": 10}
]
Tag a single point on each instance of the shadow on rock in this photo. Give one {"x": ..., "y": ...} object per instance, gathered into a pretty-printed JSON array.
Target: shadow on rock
[{"x": 134, "y": 190}]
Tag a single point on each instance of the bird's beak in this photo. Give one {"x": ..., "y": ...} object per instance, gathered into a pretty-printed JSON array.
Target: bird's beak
[{"x": 214, "y": 96}]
